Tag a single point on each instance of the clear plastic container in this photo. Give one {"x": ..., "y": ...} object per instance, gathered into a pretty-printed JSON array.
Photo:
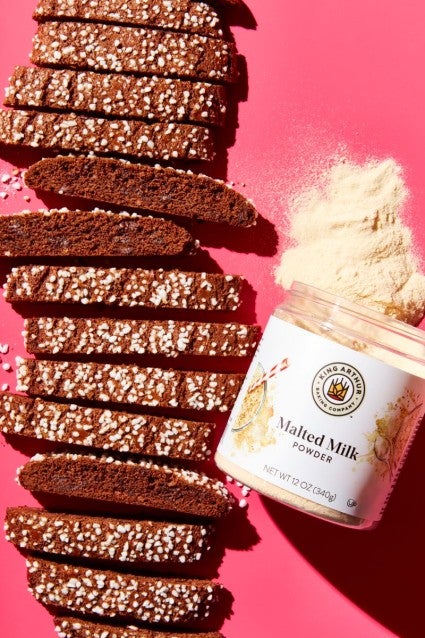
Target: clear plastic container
[{"x": 328, "y": 409}]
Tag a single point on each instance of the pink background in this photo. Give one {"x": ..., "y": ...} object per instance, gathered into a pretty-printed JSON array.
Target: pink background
[{"x": 322, "y": 76}]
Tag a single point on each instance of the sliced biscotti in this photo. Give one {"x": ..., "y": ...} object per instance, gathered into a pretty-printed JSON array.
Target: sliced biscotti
[
  {"x": 65, "y": 335},
  {"x": 153, "y": 188},
  {"x": 142, "y": 484},
  {"x": 178, "y": 15},
  {"x": 117, "y": 95},
  {"x": 108, "y": 430},
  {"x": 84, "y": 134},
  {"x": 102, "y": 538},
  {"x": 89, "y": 591},
  {"x": 68, "y": 627},
  {"x": 124, "y": 287},
  {"x": 119, "y": 383},
  {"x": 56, "y": 233},
  {"x": 106, "y": 47}
]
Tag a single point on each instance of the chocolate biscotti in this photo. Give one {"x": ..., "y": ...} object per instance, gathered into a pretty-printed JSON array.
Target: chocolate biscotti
[
  {"x": 89, "y": 591},
  {"x": 68, "y": 627},
  {"x": 105, "y": 47},
  {"x": 142, "y": 484},
  {"x": 117, "y": 95},
  {"x": 120, "y": 383},
  {"x": 107, "y": 430},
  {"x": 127, "y": 138},
  {"x": 178, "y": 15},
  {"x": 103, "y": 538},
  {"x": 123, "y": 287},
  {"x": 53, "y": 335},
  {"x": 152, "y": 188},
  {"x": 56, "y": 233}
]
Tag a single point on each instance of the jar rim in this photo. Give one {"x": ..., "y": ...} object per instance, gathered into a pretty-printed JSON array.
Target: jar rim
[{"x": 361, "y": 312}]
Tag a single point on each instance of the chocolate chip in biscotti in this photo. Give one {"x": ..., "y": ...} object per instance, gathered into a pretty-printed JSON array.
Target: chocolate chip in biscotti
[
  {"x": 131, "y": 484},
  {"x": 158, "y": 189},
  {"x": 117, "y": 95},
  {"x": 127, "y": 287},
  {"x": 56, "y": 233},
  {"x": 105, "y": 47},
  {"x": 126, "y": 138},
  {"x": 178, "y": 15},
  {"x": 106, "y": 430}
]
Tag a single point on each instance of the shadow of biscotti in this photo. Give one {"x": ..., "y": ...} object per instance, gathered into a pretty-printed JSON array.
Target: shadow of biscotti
[
  {"x": 236, "y": 13},
  {"x": 226, "y": 136},
  {"x": 261, "y": 239},
  {"x": 22, "y": 157}
]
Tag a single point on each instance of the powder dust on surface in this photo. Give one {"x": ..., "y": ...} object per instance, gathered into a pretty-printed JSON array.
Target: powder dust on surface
[{"x": 348, "y": 237}]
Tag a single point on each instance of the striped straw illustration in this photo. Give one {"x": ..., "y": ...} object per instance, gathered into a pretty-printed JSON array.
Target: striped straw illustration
[{"x": 279, "y": 367}]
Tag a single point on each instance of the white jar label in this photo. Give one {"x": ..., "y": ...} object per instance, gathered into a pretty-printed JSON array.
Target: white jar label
[{"x": 323, "y": 421}]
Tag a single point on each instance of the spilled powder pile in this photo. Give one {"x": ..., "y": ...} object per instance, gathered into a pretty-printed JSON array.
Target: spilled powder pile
[{"x": 349, "y": 239}]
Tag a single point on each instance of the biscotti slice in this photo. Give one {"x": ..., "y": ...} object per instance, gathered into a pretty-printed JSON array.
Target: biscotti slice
[
  {"x": 107, "y": 47},
  {"x": 152, "y": 188},
  {"x": 178, "y": 15},
  {"x": 57, "y": 233},
  {"x": 127, "y": 138},
  {"x": 117, "y": 95},
  {"x": 105, "y": 429},
  {"x": 68, "y": 627},
  {"x": 141, "y": 484},
  {"x": 101, "y": 538},
  {"x": 89, "y": 591},
  {"x": 53, "y": 335},
  {"x": 120, "y": 383},
  {"x": 123, "y": 287}
]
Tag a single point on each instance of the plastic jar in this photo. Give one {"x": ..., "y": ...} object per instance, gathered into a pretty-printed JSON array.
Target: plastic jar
[{"x": 328, "y": 409}]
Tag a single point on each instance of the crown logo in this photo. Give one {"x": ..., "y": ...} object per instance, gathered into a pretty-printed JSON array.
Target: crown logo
[{"x": 337, "y": 390}]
